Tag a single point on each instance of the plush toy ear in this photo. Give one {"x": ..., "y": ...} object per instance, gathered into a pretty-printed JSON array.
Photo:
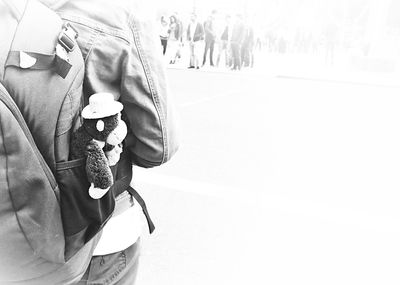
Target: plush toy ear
[{"x": 100, "y": 125}]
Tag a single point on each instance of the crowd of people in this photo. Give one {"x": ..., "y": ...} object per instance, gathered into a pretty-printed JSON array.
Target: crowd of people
[
  {"x": 228, "y": 42},
  {"x": 237, "y": 40}
]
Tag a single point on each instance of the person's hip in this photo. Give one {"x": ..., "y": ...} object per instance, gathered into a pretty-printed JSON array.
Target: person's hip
[{"x": 115, "y": 268}]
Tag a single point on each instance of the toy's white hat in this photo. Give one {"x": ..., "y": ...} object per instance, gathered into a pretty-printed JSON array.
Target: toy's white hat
[{"x": 101, "y": 105}]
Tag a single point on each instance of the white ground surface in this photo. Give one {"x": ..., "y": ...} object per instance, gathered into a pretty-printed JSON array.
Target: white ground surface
[{"x": 278, "y": 181}]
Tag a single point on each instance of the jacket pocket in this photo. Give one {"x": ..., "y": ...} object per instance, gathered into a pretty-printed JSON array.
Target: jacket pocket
[{"x": 82, "y": 216}]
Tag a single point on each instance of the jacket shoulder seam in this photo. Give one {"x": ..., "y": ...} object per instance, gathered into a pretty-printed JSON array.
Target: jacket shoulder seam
[{"x": 97, "y": 27}]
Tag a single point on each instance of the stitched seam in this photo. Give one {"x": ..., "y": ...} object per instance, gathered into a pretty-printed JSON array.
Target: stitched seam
[
  {"x": 96, "y": 26},
  {"x": 91, "y": 42},
  {"x": 55, "y": 135},
  {"x": 93, "y": 36},
  {"x": 151, "y": 86},
  {"x": 143, "y": 160},
  {"x": 70, "y": 113},
  {"x": 118, "y": 271}
]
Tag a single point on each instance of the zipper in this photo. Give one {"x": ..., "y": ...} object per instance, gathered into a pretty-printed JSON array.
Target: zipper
[{"x": 9, "y": 102}]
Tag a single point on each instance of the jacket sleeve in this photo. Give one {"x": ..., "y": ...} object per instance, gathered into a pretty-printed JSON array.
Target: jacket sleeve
[
  {"x": 131, "y": 68},
  {"x": 147, "y": 101}
]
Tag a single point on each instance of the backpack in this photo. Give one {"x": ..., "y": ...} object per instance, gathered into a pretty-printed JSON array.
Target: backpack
[{"x": 49, "y": 224}]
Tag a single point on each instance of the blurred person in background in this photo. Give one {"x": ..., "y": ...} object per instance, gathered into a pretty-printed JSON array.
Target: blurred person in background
[
  {"x": 179, "y": 36},
  {"x": 195, "y": 37},
  {"x": 331, "y": 31},
  {"x": 238, "y": 33},
  {"x": 224, "y": 47},
  {"x": 173, "y": 39},
  {"x": 247, "y": 48},
  {"x": 258, "y": 35},
  {"x": 164, "y": 34},
  {"x": 283, "y": 40},
  {"x": 210, "y": 35}
]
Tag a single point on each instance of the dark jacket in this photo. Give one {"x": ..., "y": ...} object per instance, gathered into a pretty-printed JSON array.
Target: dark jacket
[{"x": 198, "y": 34}]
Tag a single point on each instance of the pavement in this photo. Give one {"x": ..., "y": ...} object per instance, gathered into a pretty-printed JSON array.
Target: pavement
[
  {"x": 313, "y": 67},
  {"x": 280, "y": 179}
]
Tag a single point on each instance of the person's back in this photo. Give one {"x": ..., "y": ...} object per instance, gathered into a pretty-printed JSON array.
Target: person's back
[{"x": 122, "y": 56}]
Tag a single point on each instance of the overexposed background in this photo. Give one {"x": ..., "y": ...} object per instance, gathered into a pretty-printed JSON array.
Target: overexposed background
[{"x": 288, "y": 172}]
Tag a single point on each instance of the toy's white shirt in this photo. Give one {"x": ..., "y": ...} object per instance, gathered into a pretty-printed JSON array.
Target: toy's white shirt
[{"x": 122, "y": 230}]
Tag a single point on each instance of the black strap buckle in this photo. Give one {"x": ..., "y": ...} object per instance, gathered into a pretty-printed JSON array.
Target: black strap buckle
[{"x": 67, "y": 37}]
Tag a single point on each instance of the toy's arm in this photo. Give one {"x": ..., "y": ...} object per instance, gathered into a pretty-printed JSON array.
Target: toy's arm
[
  {"x": 113, "y": 154},
  {"x": 113, "y": 147},
  {"x": 97, "y": 169}
]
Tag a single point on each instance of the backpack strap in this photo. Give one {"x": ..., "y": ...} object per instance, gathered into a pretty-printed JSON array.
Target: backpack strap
[
  {"x": 59, "y": 61},
  {"x": 141, "y": 202}
]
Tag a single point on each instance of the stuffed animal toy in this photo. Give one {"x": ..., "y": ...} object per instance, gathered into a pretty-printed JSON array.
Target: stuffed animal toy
[{"x": 99, "y": 139}]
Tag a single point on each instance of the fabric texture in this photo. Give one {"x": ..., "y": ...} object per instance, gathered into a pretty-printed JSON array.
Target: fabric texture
[
  {"x": 119, "y": 268},
  {"x": 122, "y": 56},
  {"x": 38, "y": 113},
  {"x": 121, "y": 49},
  {"x": 120, "y": 46}
]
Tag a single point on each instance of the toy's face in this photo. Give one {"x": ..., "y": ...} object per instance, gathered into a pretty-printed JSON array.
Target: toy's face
[
  {"x": 118, "y": 134},
  {"x": 111, "y": 129}
]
